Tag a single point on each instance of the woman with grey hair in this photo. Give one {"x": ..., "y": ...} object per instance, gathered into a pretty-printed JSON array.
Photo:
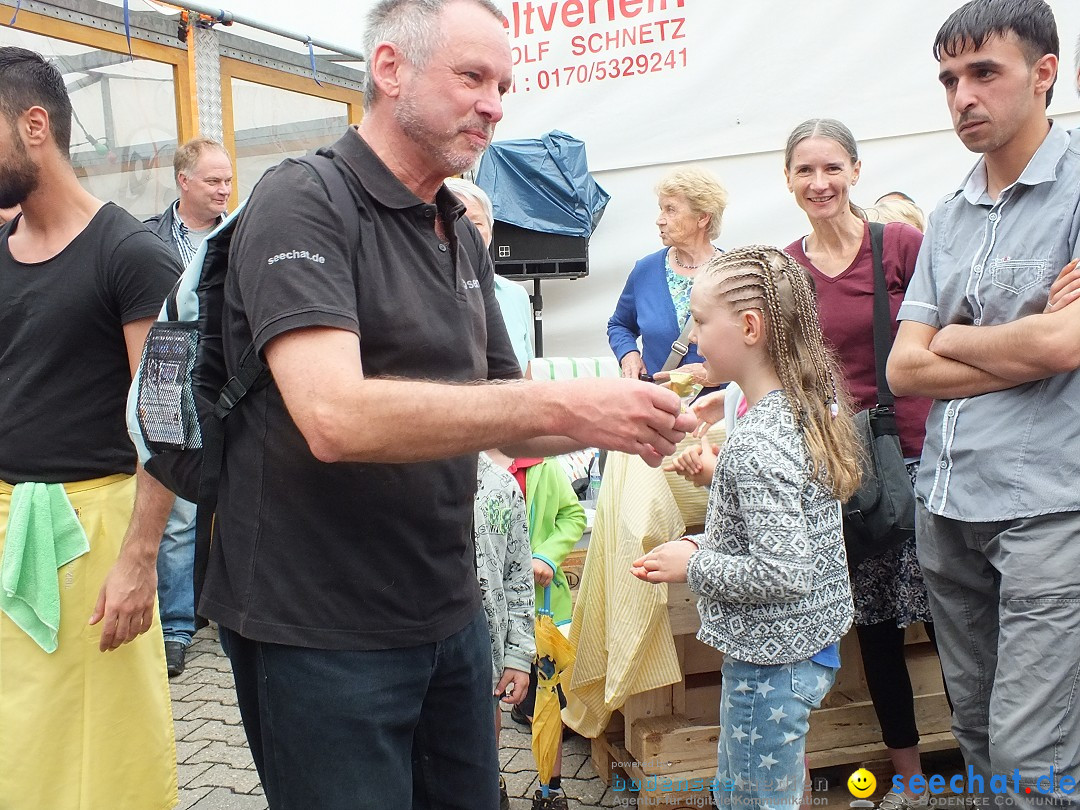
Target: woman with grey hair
[
  {"x": 655, "y": 303},
  {"x": 821, "y": 165},
  {"x": 512, "y": 297}
]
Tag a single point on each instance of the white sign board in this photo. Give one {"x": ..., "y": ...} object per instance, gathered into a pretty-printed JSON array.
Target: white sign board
[
  {"x": 666, "y": 81},
  {"x": 650, "y": 84}
]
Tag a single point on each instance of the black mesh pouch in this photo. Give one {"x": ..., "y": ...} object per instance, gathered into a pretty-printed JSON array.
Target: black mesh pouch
[{"x": 166, "y": 401}]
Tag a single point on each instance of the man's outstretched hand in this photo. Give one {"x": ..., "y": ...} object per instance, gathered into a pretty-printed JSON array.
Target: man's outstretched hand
[{"x": 628, "y": 416}]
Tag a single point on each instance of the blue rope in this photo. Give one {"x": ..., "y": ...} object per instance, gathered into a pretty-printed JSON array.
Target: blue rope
[
  {"x": 18, "y": 5},
  {"x": 127, "y": 29},
  {"x": 311, "y": 53}
]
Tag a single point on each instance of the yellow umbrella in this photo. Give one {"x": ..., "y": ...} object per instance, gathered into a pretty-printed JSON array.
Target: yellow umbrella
[{"x": 553, "y": 655}]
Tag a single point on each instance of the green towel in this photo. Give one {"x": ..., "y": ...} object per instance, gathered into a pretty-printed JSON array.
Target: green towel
[{"x": 43, "y": 533}]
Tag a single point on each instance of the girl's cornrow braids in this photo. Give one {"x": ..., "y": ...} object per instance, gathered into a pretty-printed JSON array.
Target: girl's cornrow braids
[
  {"x": 811, "y": 333},
  {"x": 813, "y": 337},
  {"x": 754, "y": 281},
  {"x": 796, "y": 347},
  {"x": 831, "y": 433},
  {"x": 780, "y": 346}
]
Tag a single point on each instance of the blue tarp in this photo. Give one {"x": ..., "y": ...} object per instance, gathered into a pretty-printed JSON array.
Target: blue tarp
[{"x": 543, "y": 184}]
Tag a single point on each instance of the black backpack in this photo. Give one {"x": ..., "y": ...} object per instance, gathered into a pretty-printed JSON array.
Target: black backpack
[{"x": 181, "y": 393}]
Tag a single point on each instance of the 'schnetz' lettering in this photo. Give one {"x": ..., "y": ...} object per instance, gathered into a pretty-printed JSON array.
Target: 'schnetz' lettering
[
  {"x": 644, "y": 34},
  {"x": 297, "y": 254}
]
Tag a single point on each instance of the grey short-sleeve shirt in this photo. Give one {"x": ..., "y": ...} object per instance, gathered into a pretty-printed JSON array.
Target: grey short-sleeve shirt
[{"x": 1007, "y": 454}]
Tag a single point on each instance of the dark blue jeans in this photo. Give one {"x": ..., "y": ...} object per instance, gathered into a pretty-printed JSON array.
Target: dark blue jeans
[
  {"x": 175, "y": 562},
  {"x": 370, "y": 730}
]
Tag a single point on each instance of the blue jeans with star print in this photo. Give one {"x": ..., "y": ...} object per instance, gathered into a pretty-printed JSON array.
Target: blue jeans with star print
[{"x": 764, "y": 717}]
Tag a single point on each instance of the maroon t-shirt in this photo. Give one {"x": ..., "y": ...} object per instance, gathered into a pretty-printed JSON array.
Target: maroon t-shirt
[{"x": 846, "y": 309}]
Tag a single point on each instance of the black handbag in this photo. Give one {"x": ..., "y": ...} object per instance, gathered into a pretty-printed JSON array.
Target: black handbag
[{"x": 881, "y": 514}]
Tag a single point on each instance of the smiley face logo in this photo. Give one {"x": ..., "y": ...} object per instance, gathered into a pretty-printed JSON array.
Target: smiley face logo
[{"x": 861, "y": 783}]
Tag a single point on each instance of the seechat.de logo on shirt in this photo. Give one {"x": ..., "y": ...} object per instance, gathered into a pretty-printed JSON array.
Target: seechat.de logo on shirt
[{"x": 297, "y": 254}]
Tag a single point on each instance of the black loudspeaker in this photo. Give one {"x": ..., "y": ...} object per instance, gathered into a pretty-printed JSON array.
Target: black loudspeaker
[{"x": 522, "y": 254}]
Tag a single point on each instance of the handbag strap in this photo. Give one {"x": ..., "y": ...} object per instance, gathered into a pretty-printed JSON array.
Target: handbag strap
[
  {"x": 882, "y": 333},
  {"x": 680, "y": 347}
]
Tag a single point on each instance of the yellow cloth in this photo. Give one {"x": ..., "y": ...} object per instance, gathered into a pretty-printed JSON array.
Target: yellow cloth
[
  {"x": 620, "y": 629},
  {"x": 81, "y": 729}
]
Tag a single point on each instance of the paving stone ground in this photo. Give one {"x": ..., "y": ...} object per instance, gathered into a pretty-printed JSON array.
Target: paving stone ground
[{"x": 216, "y": 772}]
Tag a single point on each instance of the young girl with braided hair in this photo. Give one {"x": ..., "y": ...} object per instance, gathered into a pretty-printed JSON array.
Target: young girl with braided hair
[{"x": 770, "y": 568}]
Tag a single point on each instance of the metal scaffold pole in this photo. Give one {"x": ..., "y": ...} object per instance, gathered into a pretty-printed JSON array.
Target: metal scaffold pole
[
  {"x": 203, "y": 54},
  {"x": 223, "y": 16}
]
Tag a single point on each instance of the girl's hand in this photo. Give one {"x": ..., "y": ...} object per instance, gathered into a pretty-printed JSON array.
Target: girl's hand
[
  {"x": 697, "y": 463},
  {"x": 665, "y": 563},
  {"x": 709, "y": 410},
  {"x": 687, "y": 463},
  {"x": 542, "y": 573}
]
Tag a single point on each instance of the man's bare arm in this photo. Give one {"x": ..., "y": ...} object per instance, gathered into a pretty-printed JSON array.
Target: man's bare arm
[
  {"x": 347, "y": 417},
  {"x": 914, "y": 370},
  {"x": 125, "y": 605},
  {"x": 1028, "y": 349}
]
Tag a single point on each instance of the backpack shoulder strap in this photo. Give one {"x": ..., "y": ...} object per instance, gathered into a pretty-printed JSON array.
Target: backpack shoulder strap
[
  {"x": 252, "y": 371},
  {"x": 252, "y": 368},
  {"x": 322, "y": 165},
  {"x": 882, "y": 320}
]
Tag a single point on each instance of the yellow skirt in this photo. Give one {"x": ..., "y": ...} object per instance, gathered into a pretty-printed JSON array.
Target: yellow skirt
[{"x": 81, "y": 729}]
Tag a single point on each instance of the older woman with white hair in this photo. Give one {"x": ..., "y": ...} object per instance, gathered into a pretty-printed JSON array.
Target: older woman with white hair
[
  {"x": 513, "y": 299},
  {"x": 655, "y": 303}
]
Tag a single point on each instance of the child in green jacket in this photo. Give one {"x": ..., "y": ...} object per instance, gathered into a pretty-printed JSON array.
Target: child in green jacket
[{"x": 556, "y": 524}]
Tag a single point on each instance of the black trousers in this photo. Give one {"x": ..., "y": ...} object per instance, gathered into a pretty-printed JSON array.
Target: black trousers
[
  {"x": 398, "y": 729},
  {"x": 887, "y": 678}
]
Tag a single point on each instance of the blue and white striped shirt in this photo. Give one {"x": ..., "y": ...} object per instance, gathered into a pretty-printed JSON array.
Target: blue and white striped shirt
[{"x": 186, "y": 240}]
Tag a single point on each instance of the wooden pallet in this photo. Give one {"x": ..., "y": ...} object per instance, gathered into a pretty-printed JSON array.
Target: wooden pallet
[{"x": 612, "y": 762}]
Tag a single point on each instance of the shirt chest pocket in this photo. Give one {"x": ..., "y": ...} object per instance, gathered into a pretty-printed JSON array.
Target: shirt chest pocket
[{"x": 1018, "y": 275}]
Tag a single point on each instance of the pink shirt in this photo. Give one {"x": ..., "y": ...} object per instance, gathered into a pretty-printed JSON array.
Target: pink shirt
[{"x": 846, "y": 310}]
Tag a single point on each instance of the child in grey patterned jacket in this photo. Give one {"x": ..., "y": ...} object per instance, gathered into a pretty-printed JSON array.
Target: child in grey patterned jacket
[
  {"x": 770, "y": 568},
  {"x": 504, "y": 568}
]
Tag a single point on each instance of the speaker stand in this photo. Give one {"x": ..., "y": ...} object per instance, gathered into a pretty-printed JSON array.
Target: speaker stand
[{"x": 538, "y": 318}]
